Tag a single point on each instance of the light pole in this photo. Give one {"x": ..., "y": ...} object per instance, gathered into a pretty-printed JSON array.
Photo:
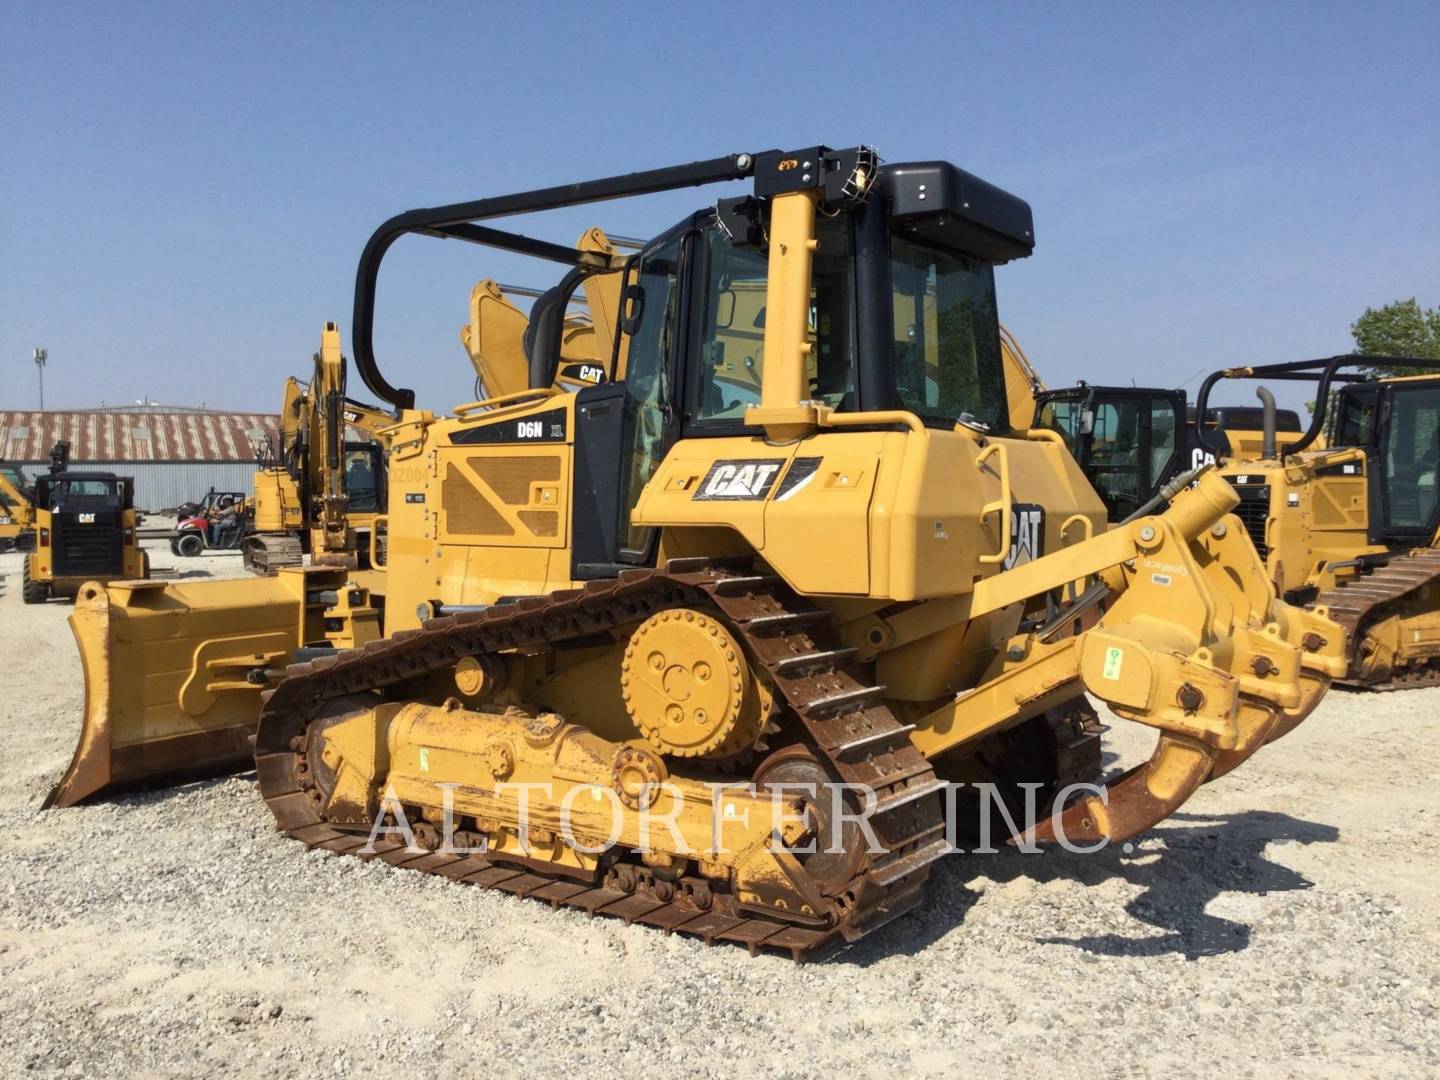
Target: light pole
[{"x": 40, "y": 356}]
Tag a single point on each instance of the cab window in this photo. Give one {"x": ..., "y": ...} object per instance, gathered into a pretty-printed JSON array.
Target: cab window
[
  {"x": 1412, "y": 455},
  {"x": 656, "y": 308},
  {"x": 732, "y": 346},
  {"x": 947, "y": 336},
  {"x": 362, "y": 492}
]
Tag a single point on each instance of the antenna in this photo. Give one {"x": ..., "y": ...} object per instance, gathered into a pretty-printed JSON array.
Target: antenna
[{"x": 41, "y": 355}]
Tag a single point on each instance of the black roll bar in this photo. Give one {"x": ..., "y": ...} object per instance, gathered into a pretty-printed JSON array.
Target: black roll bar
[
  {"x": 1323, "y": 371},
  {"x": 457, "y": 221}
]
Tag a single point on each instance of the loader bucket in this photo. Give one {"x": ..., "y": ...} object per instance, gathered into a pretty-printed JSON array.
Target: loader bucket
[{"x": 174, "y": 672}]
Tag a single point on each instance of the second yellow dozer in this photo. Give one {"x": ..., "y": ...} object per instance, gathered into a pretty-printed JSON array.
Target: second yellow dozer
[
  {"x": 1346, "y": 517},
  {"x": 656, "y": 653}
]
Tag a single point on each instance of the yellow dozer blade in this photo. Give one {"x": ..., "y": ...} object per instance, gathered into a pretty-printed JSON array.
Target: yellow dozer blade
[{"x": 174, "y": 671}]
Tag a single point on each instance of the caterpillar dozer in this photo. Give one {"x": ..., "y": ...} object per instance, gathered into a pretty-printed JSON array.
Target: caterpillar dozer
[
  {"x": 1130, "y": 441},
  {"x": 1353, "y": 527},
  {"x": 321, "y": 493},
  {"x": 785, "y": 626}
]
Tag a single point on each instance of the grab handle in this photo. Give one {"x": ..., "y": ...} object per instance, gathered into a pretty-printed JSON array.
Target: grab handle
[{"x": 1001, "y": 504}]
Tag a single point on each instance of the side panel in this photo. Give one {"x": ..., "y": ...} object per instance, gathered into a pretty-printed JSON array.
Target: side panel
[
  {"x": 481, "y": 510},
  {"x": 885, "y": 514}
]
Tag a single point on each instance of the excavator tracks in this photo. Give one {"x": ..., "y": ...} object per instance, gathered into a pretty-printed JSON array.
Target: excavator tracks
[
  {"x": 832, "y": 711},
  {"x": 1358, "y": 603},
  {"x": 266, "y": 553}
]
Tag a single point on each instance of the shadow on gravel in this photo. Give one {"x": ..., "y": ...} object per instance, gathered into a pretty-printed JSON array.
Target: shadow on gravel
[{"x": 1199, "y": 858}]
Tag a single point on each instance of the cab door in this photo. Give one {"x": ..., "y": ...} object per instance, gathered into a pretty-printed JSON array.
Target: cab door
[
  {"x": 653, "y": 322},
  {"x": 1409, "y": 450}
]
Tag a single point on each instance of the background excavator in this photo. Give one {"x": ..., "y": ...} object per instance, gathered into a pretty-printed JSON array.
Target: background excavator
[
  {"x": 837, "y": 597},
  {"x": 17, "y": 511},
  {"x": 320, "y": 494}
]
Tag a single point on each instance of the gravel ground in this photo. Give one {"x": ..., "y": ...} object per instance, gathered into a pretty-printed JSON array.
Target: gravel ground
[{"x": 1283, "y": 923}]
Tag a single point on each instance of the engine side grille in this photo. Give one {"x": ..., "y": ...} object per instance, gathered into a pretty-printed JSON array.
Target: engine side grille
[
  {"x": 1254, "y": 511},
  {"x": 92, "y": 547}
]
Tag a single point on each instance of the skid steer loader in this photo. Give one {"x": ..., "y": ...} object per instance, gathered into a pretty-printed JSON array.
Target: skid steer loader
[
  {"x": 83, "y": 527},
  {"x": 784, "y": 626},
  {"x": 1353, "y": 528}
]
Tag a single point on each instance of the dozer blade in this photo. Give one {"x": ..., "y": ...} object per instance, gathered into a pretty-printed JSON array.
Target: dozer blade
[{"x": 173, "y": 673}]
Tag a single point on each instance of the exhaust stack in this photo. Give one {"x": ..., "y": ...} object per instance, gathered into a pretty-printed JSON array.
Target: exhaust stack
[{"x": 1268, "y": 452}]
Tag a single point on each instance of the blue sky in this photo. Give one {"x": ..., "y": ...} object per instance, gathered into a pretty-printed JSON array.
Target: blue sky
[{"x": 185, "y": 189}]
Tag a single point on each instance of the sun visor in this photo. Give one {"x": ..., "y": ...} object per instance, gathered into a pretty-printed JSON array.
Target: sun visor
[{"x": 948, "y": 206}]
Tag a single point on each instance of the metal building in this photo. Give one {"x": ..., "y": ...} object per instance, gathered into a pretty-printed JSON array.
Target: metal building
[{"x": 174, "y": 453}]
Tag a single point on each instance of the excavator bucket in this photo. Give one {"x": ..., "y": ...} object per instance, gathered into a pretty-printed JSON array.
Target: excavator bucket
[{"x": 174, "y": 672}]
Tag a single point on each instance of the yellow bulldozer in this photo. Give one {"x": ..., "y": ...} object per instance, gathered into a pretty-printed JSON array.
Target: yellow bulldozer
[
  {"x": 709, "y": 644},
  {"x": 1347, "y": 517},
  {"x": 320, "y": 494},
  {"x": 1343, "y": 514}
]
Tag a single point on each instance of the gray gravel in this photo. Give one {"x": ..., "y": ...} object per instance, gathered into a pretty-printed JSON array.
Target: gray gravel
[{"x": 1283, "y": 923}]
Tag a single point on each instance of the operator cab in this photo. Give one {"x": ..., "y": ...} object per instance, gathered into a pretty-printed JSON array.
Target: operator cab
[
  {"x": 1397, "y": 423},
  {"x": 901, "y": 316},
  {"x": 1129, "y": 442},
  {"x": 897, "y": 325}
]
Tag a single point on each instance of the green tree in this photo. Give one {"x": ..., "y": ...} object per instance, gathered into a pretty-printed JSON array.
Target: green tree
[{"x": 1403, "y": 328}]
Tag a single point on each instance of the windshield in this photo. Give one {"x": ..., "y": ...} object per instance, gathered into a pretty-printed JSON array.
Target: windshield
[
  {"x": 1356, "y": 426},
  {"x": 82, "y": 488},
  {"x": 732, "y": 349},
  {"x": 361, "y": 490},
  {"x": 947, "y": 335},
  {"x": 1062, "y": 416},
  {"x": 1412, "y": 457},
  {"x": 946, "y": 353}
]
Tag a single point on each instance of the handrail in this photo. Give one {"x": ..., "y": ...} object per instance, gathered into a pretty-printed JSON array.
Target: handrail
[
  {"x": 516, "y": 397},
  {"x": 1002, "y": 504},
  {"x": 1322, "y": 371},
  {"x": 830, "y": 418},
  {"x": 457, "y": 221}
]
